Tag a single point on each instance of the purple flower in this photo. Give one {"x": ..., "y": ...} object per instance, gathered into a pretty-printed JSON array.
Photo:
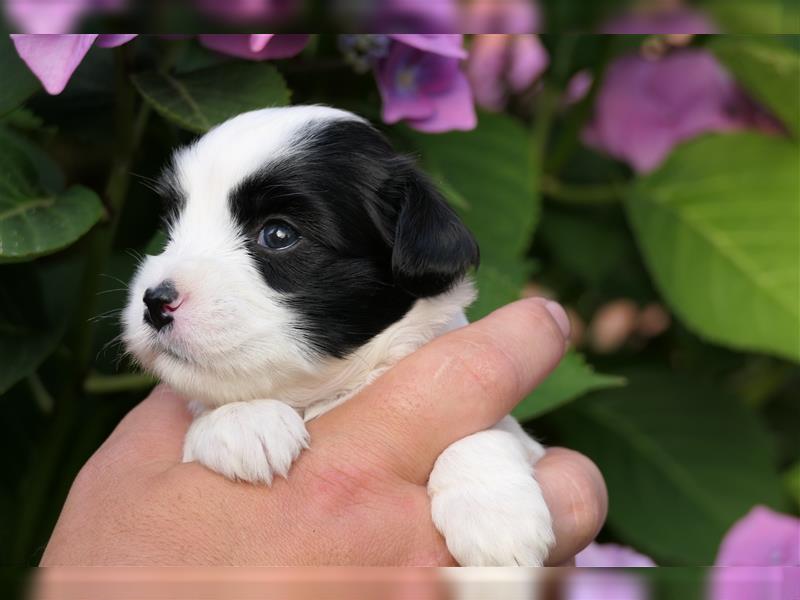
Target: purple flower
[
  {"x": 53, "y": 58},
  {"x": 421, "y": 82},
  {"x": 502, "y": 64},
  {"x": 759, "y": 558},
  {"x": 611, "y": 555},
  {"x": 646, "y": 107},
  {"x": 256, "y": 46},
  {"x": 509, "y": 16},
  {"x": 41, "y": 16},
  {"x": 604, "y": 584},
  {"x": 508, "y": 59},
  {"x": 660, "y": 22}
]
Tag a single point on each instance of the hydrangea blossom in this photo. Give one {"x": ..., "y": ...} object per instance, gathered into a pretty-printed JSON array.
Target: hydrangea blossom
[
  {"x": 53, "y": 58},
  {"x": 646, "y": 107},
  {"x": 508, "y": 62},
  {"x": 611, "y": 555},
  {"x": 759, "y": 558},
  {"x": 420, "y": 81}
]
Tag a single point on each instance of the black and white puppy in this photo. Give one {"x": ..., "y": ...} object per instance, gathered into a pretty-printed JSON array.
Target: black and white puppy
[{"x": 305, "y": 258}]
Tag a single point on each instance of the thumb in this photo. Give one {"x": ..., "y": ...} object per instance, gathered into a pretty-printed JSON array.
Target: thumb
[{"x": 460, "y": 383}]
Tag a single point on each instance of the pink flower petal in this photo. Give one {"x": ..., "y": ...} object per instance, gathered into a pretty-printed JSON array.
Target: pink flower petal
[
  {"x": 240, "y": 45},
  {"x": 112, "y": 40},
  {"x": 611, "y": 555},
  {"x": 33, "y": 16},
  {"x": 259, "y": 40},
  {"x": 509, "y": 16},
  {"x": 762, "y": 538},
  {"x": 453, "y": 110},
  {"x": 527, "y": 62},
  {"x": 443, "y": 44},
  {"x": 53, "y": 58},
  {"x": 646, "y": 107},
  {"x": 487, "y": 59}
]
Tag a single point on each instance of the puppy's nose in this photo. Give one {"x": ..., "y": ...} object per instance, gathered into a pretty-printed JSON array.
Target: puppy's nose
[{"x": 159, "y": 301}]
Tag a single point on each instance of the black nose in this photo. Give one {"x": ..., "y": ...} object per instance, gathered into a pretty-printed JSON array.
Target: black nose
[{"x": 157, "y": 299}]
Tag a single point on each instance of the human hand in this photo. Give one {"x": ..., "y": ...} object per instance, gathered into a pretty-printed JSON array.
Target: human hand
[{"x": 357, "y": 496}]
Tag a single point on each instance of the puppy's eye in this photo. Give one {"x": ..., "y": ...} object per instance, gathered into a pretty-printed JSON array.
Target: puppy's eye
[{"x": 278, "y": 235}]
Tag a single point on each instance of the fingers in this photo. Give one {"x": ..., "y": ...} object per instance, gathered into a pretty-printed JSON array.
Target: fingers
[
  {"x": 576, "y": 495},
  {"x": 152, "y": 432},
  {"x": 458, "y": 384}
]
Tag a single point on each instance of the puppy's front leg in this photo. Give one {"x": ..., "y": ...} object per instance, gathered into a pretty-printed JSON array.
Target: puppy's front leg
[
  {"x": 249, "y": 441},
  {"x": 486, "y": 502}
]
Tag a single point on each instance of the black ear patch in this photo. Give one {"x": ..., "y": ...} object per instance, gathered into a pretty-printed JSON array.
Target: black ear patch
[{"x": 433, "y": 249}]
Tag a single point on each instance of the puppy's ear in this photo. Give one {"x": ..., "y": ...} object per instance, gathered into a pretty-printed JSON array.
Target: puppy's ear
[{"x": 432, "y": 249}]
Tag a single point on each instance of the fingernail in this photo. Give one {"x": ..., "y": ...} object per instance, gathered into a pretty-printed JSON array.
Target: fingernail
[{"x": 559, "y": 315}]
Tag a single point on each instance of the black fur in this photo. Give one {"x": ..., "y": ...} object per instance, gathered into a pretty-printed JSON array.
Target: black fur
[{"x": 375, "y": 233}]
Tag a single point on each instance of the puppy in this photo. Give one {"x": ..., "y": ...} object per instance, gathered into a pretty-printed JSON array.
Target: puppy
[{"x": 305, "y": 258}]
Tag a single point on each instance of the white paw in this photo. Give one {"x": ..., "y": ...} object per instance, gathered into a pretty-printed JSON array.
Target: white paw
[
  {"x": 487, "y": 504},
  {"x": 250, "y": 441}
]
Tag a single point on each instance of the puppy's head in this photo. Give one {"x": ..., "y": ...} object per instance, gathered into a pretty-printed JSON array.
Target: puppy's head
[{"x": 297, "y": 235}]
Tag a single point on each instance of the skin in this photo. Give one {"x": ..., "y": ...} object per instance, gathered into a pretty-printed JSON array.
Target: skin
[{"x": 357, "y": 496}]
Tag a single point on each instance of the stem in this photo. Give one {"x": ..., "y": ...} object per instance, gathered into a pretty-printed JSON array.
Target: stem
[
  {"x": 547, "y": 103},
  {"x": 581, "y": 194},
  {"x": 40, "y": 394},
  {"x": 580, "y": 114},
  {"x": 109, "y": 384}
]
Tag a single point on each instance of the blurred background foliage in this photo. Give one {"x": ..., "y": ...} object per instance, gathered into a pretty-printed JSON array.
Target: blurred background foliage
[{"x": 681, "y": 282}]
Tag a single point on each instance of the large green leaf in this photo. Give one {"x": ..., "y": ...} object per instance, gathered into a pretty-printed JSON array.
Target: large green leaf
[
  {"x": 17, "y": 80},
  {"x": 201, "y": 99},
  {"x": 718, "y": 226},
  {"x": 571, "y": 379},
  {"x": 35, "y": 218},
  {"x": 768, "y": 69},
  {"x": 681, "y": 459}
]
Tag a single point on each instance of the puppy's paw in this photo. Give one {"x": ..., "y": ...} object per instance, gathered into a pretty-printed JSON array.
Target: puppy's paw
[
  {"x": 503, "y": 526},
  {"x": 487, "y": 504},
  {"x": 250, "y": 441}
]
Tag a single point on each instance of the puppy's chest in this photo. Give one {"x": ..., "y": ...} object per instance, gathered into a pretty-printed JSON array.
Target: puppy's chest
[{"x": 374, "y": 360}]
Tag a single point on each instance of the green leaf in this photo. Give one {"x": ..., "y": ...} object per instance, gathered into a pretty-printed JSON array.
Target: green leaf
[
  {"x": 718, "y": 227},
  {"x": 18, "y": 81},
  {"x": 571, "y": 379},
  {"x": 490, "y": 168},
  {"x": 768, "y": 69},
  {"x": 791, "y": 479},
  {"x": 682, "y": 460},
  {"x": 35, "y": 219},
  {"x": 756, "y": 16},
  {"x": 201, "y": 99},
  {"x": 26, "y": 337}
]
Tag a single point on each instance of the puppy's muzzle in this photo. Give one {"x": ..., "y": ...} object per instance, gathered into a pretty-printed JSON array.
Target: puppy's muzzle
[{"x": 161, "y": 303}]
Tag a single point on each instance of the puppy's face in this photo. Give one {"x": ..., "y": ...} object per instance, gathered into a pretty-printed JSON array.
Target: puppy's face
[{"x": 297, "y": 236}]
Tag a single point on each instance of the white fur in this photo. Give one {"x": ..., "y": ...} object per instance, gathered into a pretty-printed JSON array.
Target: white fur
[
  {"x": 486, "y": 502},
  {"x": 253, "y": 378},
  {"x": 249, "y": 441}
]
